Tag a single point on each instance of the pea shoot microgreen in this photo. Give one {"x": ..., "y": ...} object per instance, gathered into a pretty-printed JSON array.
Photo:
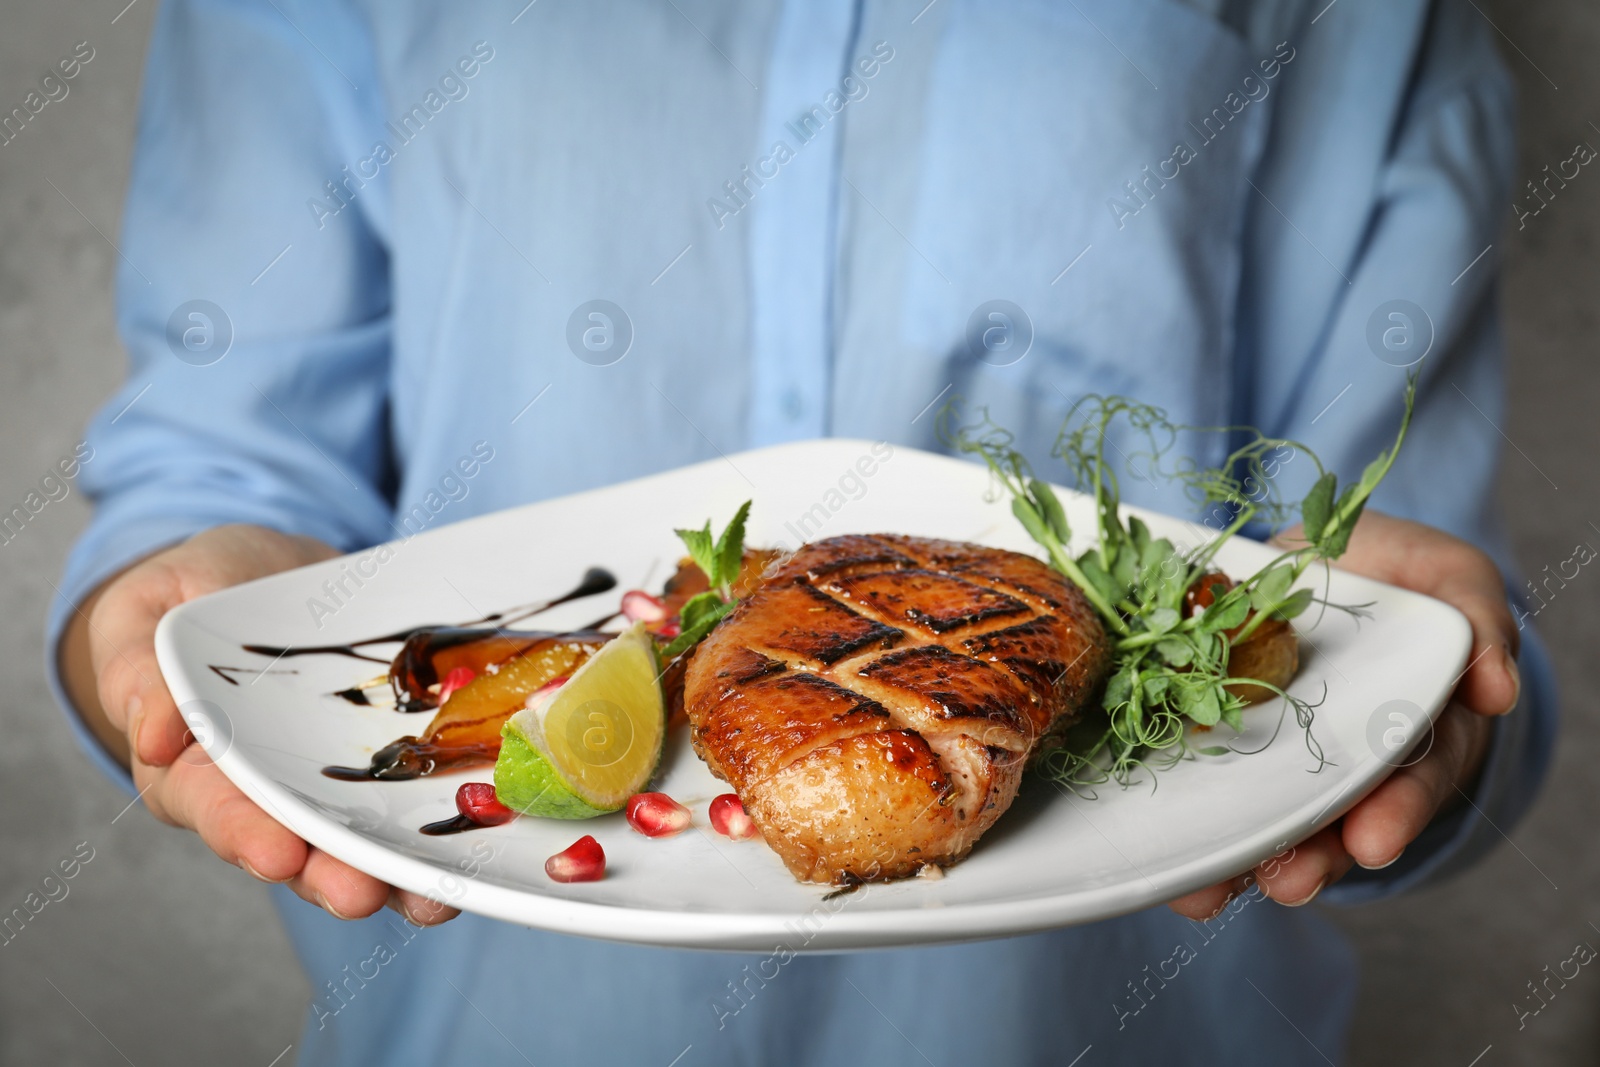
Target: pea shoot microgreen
[{"x": 1170, "y": 670}]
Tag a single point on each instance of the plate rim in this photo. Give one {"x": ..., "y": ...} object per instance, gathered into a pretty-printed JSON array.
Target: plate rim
[{"x": 846, "y": 929}]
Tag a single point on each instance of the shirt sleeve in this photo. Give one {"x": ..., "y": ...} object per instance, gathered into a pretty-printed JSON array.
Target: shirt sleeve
[
  {"x": 1333, "y": 265},
  {"x": 257, "y": 330}
]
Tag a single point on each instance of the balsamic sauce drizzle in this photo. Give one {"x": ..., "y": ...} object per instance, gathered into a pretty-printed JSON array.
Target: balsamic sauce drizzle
[
  {"x": 595, "y": 580},
  {"x": 411, "y": 757},
  {"x": 597, "y": 623},
  {"x": 226, "y": 673},
  {"x": 453, "y": 825}
]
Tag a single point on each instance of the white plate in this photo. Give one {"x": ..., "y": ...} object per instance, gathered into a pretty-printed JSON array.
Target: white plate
[{"x": 1053, "y": 860}]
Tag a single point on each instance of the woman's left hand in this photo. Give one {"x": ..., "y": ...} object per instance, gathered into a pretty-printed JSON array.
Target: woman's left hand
[{"x": 1377, "y": 830}]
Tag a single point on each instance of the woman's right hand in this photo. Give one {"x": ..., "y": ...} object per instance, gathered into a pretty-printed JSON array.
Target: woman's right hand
[{"x": 108, "y": 662}]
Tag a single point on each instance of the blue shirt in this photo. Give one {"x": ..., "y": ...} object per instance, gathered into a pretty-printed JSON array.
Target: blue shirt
[{"x": 801, "y": 220}]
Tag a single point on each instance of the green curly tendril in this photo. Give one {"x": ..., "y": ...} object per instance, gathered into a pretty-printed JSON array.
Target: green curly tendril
[{"x": 1171, "y": 672}]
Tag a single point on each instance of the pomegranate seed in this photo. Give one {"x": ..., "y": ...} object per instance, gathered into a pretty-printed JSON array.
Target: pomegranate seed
[
  {"x": 670, "y": 629},
  {"x": 729, "y": 819},
  {"x": 457, "y": 678},
  {"x": 477, "y": 801},
  {"x": 640, "y": 606},
  {"x": 583, "y": 861},
  {"x": 657, "y": 815}
]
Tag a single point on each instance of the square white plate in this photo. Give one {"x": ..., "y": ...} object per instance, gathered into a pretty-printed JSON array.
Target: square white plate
[{"x": 1054, "y": 859}]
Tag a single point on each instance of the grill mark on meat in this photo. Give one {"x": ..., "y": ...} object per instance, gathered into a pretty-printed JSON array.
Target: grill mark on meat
[
  {"x": 936, "y": 602},
  {"x": 750, "y": 665},
  {"x": 788, "y": 715},
  {"x": 854, "y": 702},
  {"x": 823, "y": 630},
  {"x": 1021, "y": 650},
  {"x": 880, "y": 695},
  {"x": 952, "y": 686},
  {"x": 1037, "y": 598},
  {"x": 850, "y": 552}
]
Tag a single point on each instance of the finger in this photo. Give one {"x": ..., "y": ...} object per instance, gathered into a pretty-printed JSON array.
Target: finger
[
  {"x": 1378, "y": 829},
  {"x": 1207, "y": 903},
  {"x": 1296, "y": 877},
  {"x": 1418, "y": 557},
  {"x": 419, "y": 910},
  {"x": 338, "y": 888},
  {"x": 132, "y": 692},
  {"x": 192, "y": 793},
  {"x": 1491, "y": 683}
]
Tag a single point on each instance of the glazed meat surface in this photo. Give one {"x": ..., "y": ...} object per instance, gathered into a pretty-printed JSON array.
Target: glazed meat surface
[{"x": 875, "y": 701}]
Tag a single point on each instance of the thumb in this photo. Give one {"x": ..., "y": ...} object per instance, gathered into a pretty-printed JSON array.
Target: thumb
[{"x": 133, "y": 694}]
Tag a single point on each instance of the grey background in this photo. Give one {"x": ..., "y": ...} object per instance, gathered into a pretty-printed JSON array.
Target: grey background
[{"x": 162, "y": 954}]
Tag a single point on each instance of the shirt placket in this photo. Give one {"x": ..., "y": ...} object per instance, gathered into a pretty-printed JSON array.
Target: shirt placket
[{"x": 792, "y": 191}]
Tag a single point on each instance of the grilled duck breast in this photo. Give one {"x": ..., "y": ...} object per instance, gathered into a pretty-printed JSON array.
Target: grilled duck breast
[{"x": 875, "y": 700}]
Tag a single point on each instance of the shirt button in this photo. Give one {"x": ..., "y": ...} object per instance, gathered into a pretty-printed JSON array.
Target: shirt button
[{"x": 793, "y": 406}]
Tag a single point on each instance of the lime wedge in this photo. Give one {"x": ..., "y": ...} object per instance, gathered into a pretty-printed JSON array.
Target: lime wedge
[{"x": 593, "y": 743}]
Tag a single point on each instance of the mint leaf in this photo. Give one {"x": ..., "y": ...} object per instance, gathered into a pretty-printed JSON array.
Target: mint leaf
[
  {"x": 721, "y": 560},
  {"x": 701, "y": 549},
  {"x": 706, "y": 619},
  {"x": 730, "y": 548},
  {"x": 707, "y": 605}
]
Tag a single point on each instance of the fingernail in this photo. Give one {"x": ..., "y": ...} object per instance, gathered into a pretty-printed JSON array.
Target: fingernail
[
  {"x": 1381, "y": 866},
  {"x": 258, "y": 876},
  {"x": 1514, "y": 674},
  {"x": 397, "y": 904},
  {"x": 322, "y": 902},
  {"x": 1308, "y": 898}
]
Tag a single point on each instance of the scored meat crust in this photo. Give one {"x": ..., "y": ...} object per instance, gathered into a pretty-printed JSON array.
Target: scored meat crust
[{"x": 875, "y": 701}]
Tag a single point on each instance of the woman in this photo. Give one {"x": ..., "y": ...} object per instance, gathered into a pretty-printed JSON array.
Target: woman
[{"x": 609, "y": 241}]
